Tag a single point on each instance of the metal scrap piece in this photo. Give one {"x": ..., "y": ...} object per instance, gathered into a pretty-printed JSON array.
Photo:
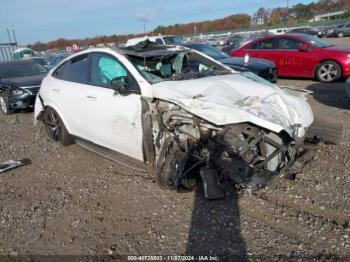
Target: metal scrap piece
[{"x": 11, "y": 164}]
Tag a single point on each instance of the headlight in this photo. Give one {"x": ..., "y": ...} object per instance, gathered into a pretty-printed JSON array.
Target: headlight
[{"x": 16, "y": 92}]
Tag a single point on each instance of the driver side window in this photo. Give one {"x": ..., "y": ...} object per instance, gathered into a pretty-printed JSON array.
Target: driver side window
[{"x": 104, "y": 68}]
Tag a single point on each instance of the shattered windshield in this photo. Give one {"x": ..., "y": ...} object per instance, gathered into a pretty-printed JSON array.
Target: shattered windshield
[{"x": 180, "y": 65}]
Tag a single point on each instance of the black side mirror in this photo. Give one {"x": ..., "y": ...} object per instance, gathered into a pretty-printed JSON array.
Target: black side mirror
[{"x": 120, "y": 85}]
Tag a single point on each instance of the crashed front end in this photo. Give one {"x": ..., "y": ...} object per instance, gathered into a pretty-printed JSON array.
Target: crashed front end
[{"x": 242, "y": 154}]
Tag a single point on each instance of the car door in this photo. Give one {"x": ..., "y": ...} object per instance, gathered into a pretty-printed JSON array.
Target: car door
[
  {"x": 291, "y": 60},
  {"x": 265, "y": 49},
  {"x": 113, "y": 120},
  {"x": 66, "y": 92}
]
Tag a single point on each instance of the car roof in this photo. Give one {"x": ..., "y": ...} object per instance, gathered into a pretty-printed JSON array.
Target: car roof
[{"x": 283, "y": 35}]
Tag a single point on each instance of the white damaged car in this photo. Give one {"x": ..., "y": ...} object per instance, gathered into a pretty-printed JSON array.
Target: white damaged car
[{"x": 176, "y": 113}]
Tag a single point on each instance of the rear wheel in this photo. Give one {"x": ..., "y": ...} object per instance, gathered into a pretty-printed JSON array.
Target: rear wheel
[
  {"x": 55, "y": 127},
  {"x": 5, "y": 106},
  {"x": 328, "y": 71}
]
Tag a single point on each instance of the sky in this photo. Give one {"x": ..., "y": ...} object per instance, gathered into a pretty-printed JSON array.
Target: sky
[{"x": 46, "y": 20}]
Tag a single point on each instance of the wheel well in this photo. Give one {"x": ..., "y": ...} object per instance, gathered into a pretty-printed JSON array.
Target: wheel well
[
  {"x": 59, "y": 114},
  {"x": 324, "y": 60}
]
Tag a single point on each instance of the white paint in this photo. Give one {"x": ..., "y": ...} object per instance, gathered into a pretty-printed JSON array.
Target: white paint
[{"x": 231, "y": 99}]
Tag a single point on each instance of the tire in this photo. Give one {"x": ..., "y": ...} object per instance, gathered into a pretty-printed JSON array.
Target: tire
[
  {"x": 5, "y": 106},
  {"x": 340, "y": 34},
  {"x": 55, "y": 128},
  {"x": 326, "y": 129},
  {"x": 328, "y": 71},
  {"x": 170, "y": 157}
]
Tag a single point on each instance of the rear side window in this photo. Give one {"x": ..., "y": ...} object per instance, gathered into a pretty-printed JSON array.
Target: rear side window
[
  {"x": 264, "y": 44},
  {"x": 288, "y": 44},
  {"x": 76, "y": 70}
]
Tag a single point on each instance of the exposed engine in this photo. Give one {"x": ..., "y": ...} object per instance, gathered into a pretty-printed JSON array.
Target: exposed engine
[{"x": 240, "y": 154}]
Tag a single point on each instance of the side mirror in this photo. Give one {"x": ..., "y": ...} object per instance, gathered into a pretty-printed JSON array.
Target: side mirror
[
  {"x": 120, "y": 85},
  {"x": 303, "y": 48}
]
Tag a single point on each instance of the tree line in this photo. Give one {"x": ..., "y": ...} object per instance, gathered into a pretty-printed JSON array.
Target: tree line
[{"x": 263, "y": 17}]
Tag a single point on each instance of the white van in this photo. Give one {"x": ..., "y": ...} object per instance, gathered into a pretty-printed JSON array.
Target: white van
[{"x": 278, "y": 31}]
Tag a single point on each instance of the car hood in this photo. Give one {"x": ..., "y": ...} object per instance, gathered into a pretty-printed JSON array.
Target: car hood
[
  {"x": 233, "y": 98},
  {"x": 253, "y": 63},
  {"x": 25, "y": 81}
]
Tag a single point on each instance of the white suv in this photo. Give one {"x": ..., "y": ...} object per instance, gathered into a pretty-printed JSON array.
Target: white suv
[{"x": 177, "y": 114}]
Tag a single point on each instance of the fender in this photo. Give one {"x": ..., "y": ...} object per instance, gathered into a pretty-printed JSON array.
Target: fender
[{"x": 39, "y": 109}]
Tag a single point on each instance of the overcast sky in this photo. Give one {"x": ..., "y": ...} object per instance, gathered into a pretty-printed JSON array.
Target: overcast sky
[{"x": 45, "y": 20}]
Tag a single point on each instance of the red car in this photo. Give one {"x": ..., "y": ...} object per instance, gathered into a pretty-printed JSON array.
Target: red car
[{"x": 300, "y": 55}]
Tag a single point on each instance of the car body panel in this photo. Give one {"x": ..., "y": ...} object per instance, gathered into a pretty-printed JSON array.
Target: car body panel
[{"x": 120, "y": 117}]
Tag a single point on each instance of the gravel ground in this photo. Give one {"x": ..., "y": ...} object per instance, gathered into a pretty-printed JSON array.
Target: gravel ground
[{"x": 70, "y": 201}]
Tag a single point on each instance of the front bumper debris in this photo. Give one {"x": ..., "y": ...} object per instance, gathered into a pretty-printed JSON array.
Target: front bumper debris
[{"x": 11, "y": 164}]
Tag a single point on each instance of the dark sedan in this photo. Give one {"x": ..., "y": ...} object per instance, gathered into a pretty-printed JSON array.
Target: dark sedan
[
  {"x": 260, "y": 67},
  {"x": 309, "y": 31},
  {"x": 19, "y": 84}
]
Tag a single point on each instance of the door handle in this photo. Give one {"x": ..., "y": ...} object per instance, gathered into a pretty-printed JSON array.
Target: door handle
[
  {"x": 91, "y": 97},
  {"x": 55, "y": 90}
]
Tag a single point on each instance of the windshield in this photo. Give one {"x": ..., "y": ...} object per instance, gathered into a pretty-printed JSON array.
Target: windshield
[
  {"x": 13, "y": 70},
  {"x": 316, "y": 41},
  {"x": 173, "y": 40},
  {"x": 210, "y": 51},
  {"x": 179, "y": 65}
]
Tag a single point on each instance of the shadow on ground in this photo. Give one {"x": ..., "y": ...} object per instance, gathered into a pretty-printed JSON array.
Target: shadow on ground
[
  {"x": 330, "y": 94},
  {"x": 215, "y": 228}
]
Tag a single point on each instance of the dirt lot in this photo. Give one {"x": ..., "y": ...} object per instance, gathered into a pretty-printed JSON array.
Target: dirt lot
[{"x": 71, "y": 201}]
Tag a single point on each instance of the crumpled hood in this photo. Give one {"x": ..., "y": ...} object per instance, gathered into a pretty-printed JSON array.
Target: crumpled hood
[{"x": 233, "y": 98}]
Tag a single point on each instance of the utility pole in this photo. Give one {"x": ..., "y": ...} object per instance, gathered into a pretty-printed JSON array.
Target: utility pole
[
  {"x": 287, "y": 9},
  {"x": 8, "y": 34},
  {"x": 14, "y": 35}
]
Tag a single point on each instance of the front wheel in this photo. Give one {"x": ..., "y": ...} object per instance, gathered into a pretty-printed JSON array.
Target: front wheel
[
  {"x": 328, "y": 71},
  {"x": 5, "y": 106},
  {"x": 55, "y": 127}
]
